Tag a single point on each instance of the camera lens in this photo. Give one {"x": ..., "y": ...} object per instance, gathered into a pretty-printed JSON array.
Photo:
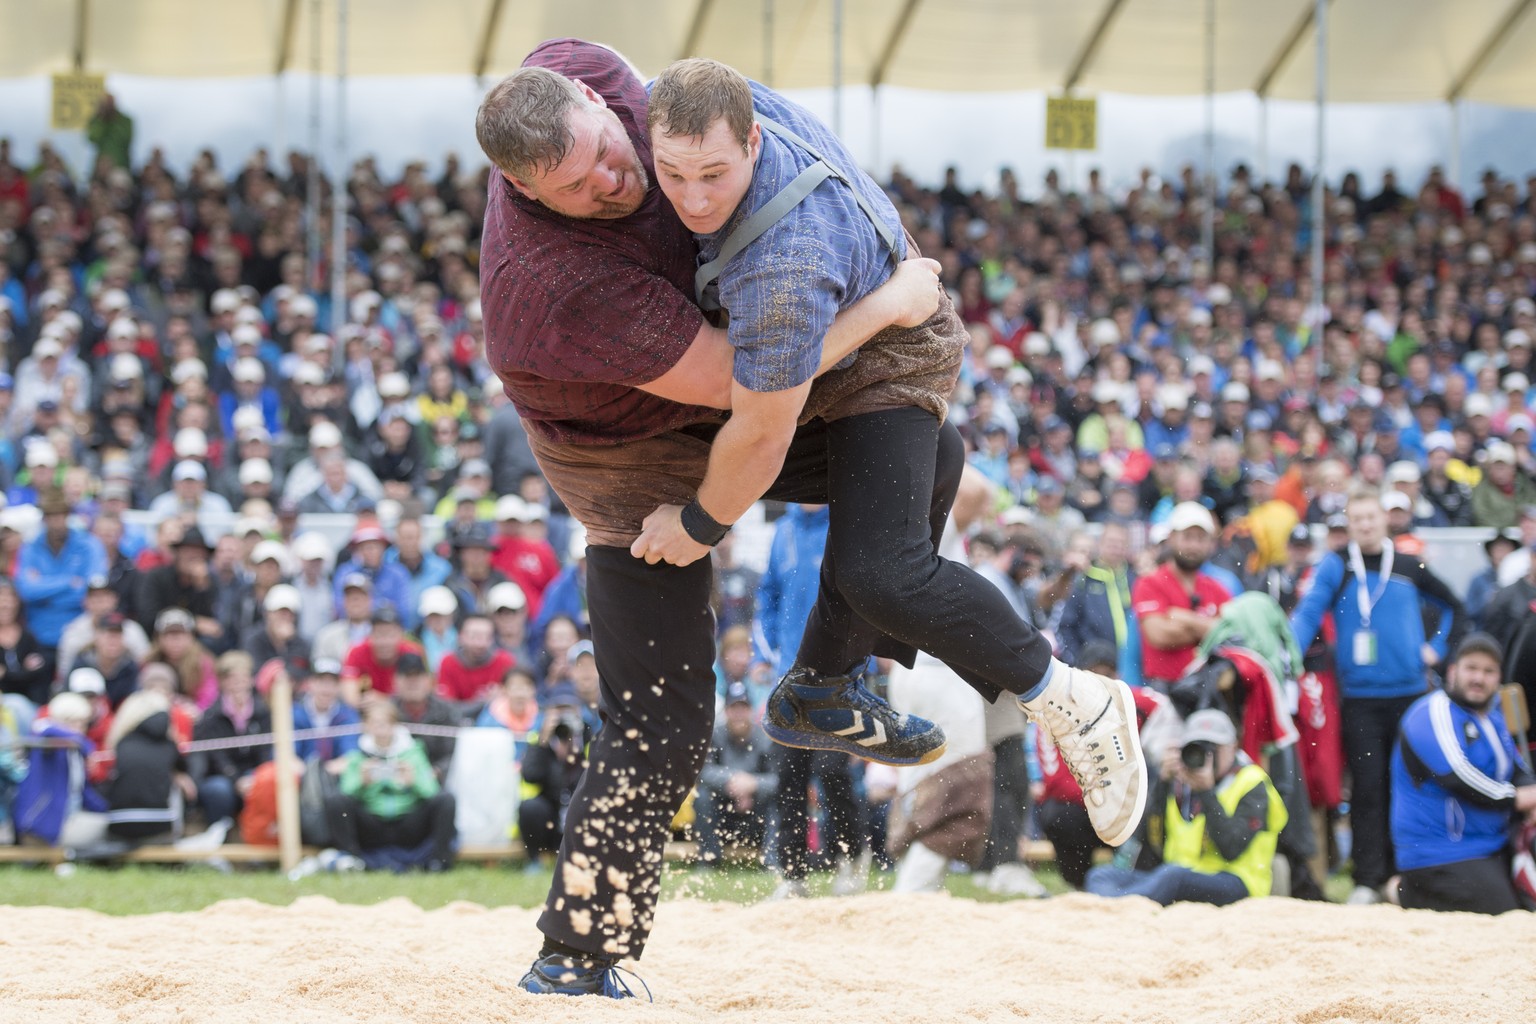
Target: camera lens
[{"x": 1195, "y": 755}]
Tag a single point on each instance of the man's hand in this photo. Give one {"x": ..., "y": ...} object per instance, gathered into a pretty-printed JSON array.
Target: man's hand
[
  {"x": 663, "y": 539},
  {"x": 1199, "y": 779},
  {"x": 915, "y": 290},
  {"x": 1428, "y": 653}
]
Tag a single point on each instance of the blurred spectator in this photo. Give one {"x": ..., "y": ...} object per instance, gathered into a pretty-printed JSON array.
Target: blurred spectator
[
  {"x": 438, "y": 636},
  {"x": 1459, "y": 783},
  {"x": 1505, "y": 489},
  {"x": 1381, "y": 667},
  {"x": 735, "y": 587},
  {"x": 389, "y": 583},
  {"x": 735, "y": 664},
  {"x": 306, "y": 477},
  {"x": 1219, "y": 818},
  {"x": 223, "y": 777},
  {"x": 514, "y": 706},
  {"x": 736, "y": 786},
  {"x": 108, "y": 654},
  {"x": 187, "y": 583},
  {"x": 52, "y": 571},
  {"x": 100, "y": 599},
  {"x": 54, "y": 803},
  {"x": 476, "y": 577},
  {"x": 319, "y": 706},
  {"x": 1176, "y": 606},
  {"x": 337, "y": 639},
  {"x": 522, "y": 553},
  {"x": 426, "y": 569},
  {"x": 509, "y": 614},
  {"x": 111, "y": 132},
  {"x": 418, "y": 703},
  {"x": 26, "y": 667},
  {"x": 567, "y": 595},
  {"x": 1099, "y": 605},
  {"x": 317, "y": 602},
  {"x": 277, "y": 635},
  {"x": 552, "y": 768},
  {"x": 390, "y": 797},
  {"x": 149, "y": 784},
  {"x": 475, "y": 665},
  {"x": 177, "y": 646},
  {"x": 371, "y": 663}
]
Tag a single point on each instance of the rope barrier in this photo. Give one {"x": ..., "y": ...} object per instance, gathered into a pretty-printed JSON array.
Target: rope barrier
[{"x": 256, "y": 739}]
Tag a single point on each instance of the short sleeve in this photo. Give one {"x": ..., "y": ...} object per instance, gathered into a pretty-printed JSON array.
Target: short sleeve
[
  {"x": 1148, "y": 598},
  {"x": 783, "y": 293}
]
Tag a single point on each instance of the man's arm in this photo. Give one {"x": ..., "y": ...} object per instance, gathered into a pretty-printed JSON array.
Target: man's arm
[{"x": 703, "y": 375}]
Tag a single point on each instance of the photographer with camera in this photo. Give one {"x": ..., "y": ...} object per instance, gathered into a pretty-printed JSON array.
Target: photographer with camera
[
  {"x": 1213, "y": 824},
  {"x": 553, "y": 767}
]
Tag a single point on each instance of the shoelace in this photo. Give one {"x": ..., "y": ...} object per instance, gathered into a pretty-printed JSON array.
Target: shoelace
[
  {"x": 862, "y": 700},
  {"x": 615, "y": 987},
  {"x": 1082, "y": 762}
]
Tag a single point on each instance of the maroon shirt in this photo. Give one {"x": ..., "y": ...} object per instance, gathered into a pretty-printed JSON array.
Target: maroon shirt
[{"x": 579, "y": 312}]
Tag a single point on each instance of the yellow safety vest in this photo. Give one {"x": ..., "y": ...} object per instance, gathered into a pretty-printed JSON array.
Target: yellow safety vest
[{"x": 1186, "y": 843}]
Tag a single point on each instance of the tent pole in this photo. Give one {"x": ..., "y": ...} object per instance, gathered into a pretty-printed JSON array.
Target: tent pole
[
  {"x": 312, "y": 243},
  {"x": 1453, "y": 172},
  {"x": 837, "y": 67},
  {"x": 339, "y": 188},
  {"x": 1208, "y": 221},
  {"x": 1319, "y": 185},
  {"x": 768, "y": 43},
  {"x": 280, "y": 121},
  {"x": 1261, "y": 171}
]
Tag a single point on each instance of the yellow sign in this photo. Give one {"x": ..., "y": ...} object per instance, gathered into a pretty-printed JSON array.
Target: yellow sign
[
  {"x": 1071, "y": 123},
  {"x": 75, "y": 98}
]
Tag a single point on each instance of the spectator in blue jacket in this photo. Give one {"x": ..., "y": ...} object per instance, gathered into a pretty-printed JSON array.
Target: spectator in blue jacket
[
  {"x": 1383, "y": 660},
  {"x": 320, "y": 707},
  {"x": 391, "y": 583},
  {"x": 52, "y": 570},
  {"x": 566, "y": 595},
  {"x": 54, "y": 802},
  {"x": 1099, "y": 605},
  {"x": 424, "y": 567},
  {"x": 1457, "y": 781},
  {"x": 250, "y": 390},
  {"x": 785, "y": 597}
]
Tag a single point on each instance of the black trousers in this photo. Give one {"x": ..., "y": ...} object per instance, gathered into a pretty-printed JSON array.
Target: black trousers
[
  {"x": 1481, "y": 886},
  {"x": 1010, "y": 803},
  {"x": 1071, "y": 833},
  {"x": 845, "y": 813},
  {"x": 354, "y": 829},
  {"x": 1370, "y": 729},
  {"x": 890, "y": 478}
]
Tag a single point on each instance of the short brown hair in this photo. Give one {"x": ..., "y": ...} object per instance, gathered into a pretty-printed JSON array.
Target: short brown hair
[
  {"x": 524, "y": 122},
  {"x": 692, "y": 94}
]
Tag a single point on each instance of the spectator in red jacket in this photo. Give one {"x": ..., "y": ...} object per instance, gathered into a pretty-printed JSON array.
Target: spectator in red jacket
[
  {"x": 522, "y": 552},
  {"x": 477, "y": 665}
]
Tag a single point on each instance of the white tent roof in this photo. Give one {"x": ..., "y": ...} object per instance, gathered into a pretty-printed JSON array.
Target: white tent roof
[{"x": 1380, "y": 50}]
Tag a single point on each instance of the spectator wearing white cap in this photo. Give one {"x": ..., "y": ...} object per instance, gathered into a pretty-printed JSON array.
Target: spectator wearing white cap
[
  {"x": 1504, "y": 490},
  {"x": 312, "y": 554},
  {"x": 249, "y": 388},
  {"x": 508, "y": 608},
  {"x": 1450, "y": 495},
  {"x": 43, "y": 374},
  {"x": 390, "y": 586},
  {"x": 305, "y": 477},
  {"x": 523, "y": 552},
  {"x": 425, "y": 567},
  {"x": 1177, "y": 605},
  {"x": 190, "y": 499},
  {"x": 243, "y": 604},
  {"x": 436, "y": 610},
  {"x": 275, "y": 632},
  {"x": 1406, "y": 478}
]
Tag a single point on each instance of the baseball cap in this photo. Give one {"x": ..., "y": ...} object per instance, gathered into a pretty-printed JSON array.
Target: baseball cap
[
  {"x": 508, "y": 596},
  {"x": 999, "y": 358},
  {"x": 174, "y": 618},
  {"x": 394, "y": 385},
  {"x": 1516, "y": 382},
  {"x": 1235, "y": 391},
  {"x": 1209, "y": 726},
  {"x": 189, "y": 470},
  {"x": 1438, "y": 439},
  {"x": 328, "y": 667},
  {"x": 385, "y": 615},
  {"x": 1262, "y": 475},
  {"x": 324, "y": 435},
  {"x": 249, "y": 371},
  {"x": 357, "y": 581},
  {"x": 1188, "y": 514},
  {"x": 1477, "y": 404},
  {"x": 1396, "y": 500},
  {"x": 439, "y": 600},
  {"x": 1403, "y": 472},
  {"x": 509, "y": 506},
  {"x": 579, "y": 648},
  {"x": 475, "y": 467},
  {"x": 269, "y": 551},
  {"x": 1301, "y": 535},
  {"x": 255, "y": 471},
  {"x": 1106, "y": 391},
  {"x": 190, "y": 443},
  {"x": 737, "y": 693},
  {"x": 281, "y": 596},
  {"x": 1499, "y": 451},
  {"x": 87, "y": 680},
  {"x": 410, "y": 664},
  {"x": 367, "y": 532},
  {"x": 1337, "y": 521},
  {"x": 1201, "y": 364},
  {"x": 307, "y": 373}
]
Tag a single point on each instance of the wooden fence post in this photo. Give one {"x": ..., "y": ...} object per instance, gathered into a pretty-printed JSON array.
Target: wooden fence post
[{"x": 288, "y": 837}]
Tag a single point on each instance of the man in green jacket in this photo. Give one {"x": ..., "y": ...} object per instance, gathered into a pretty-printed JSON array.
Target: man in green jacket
[
  {"x": 1505, "y": 489},
  {"x": 390, "y": 797},
  {"x": 111, "y": 132}
]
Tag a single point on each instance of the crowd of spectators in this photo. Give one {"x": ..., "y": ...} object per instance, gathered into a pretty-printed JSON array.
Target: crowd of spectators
[{"x": 209, "y": 469}]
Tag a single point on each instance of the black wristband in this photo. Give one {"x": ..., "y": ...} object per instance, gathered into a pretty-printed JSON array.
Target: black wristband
[{"x": 701, "y": 526}]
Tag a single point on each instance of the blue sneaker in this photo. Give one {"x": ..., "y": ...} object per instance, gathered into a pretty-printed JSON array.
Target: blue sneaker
[
  {"x": 561, "y": 975},
  {"x": 818, "y": 712}
]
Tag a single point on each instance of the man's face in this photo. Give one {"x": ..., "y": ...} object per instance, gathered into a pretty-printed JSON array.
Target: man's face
[
  {"x": 1367, "y": 524},
  {"x": 415, "y": 687},
  {"x": 1191, "y": 548},
  {"x": 386, "y": 639},
  {"x": 357, "y": 603},
  {"x": 601, "y": 177},
  {"x": 738, "y": 719},
  {"x": 323, "y": 690},
  {"x": 109, "y": 645},
  {"x": 1474, "y": 680},
  {"x": 705, "y": 177},
  {"x": 56, "y": 525},
  {"x": 475, "y": 639}
]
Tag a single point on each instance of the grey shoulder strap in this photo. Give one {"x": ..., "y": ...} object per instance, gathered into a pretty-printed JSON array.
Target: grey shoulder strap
[
  {"x": 751, "y": 229},
  {"x": 773, "y": 211}
]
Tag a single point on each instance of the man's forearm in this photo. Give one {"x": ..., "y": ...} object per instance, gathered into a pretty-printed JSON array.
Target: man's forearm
[
  {"x": 743, "y": 463},
  {"x": 855, "y": 325}
]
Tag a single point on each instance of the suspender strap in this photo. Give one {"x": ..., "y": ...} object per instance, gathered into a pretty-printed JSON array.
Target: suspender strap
[
  {"x": 751, "y": 229},
  {"x": 775, "y": 210}
]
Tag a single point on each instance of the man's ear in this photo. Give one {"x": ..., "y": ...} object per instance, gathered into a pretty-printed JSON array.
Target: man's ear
[
  {"x": 519, "y": 185},
  {"x": 592, "y": 95},
  {"x": 754, "y": 140}
]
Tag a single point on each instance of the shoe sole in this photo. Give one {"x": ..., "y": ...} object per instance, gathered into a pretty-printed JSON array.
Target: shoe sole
[
  {"x": 822, "y": 741},
  {"x": 1127, "y": 704}
]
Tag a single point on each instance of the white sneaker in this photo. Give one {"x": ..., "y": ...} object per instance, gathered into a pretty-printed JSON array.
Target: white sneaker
[
  {"x": 1363, "y": 896},
  {"x": 1015, "y": 880},
  {"x": 790, "y": 889},
  {"x": 1093, "y": 721},
  {"x": 852, "y": 876}
]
